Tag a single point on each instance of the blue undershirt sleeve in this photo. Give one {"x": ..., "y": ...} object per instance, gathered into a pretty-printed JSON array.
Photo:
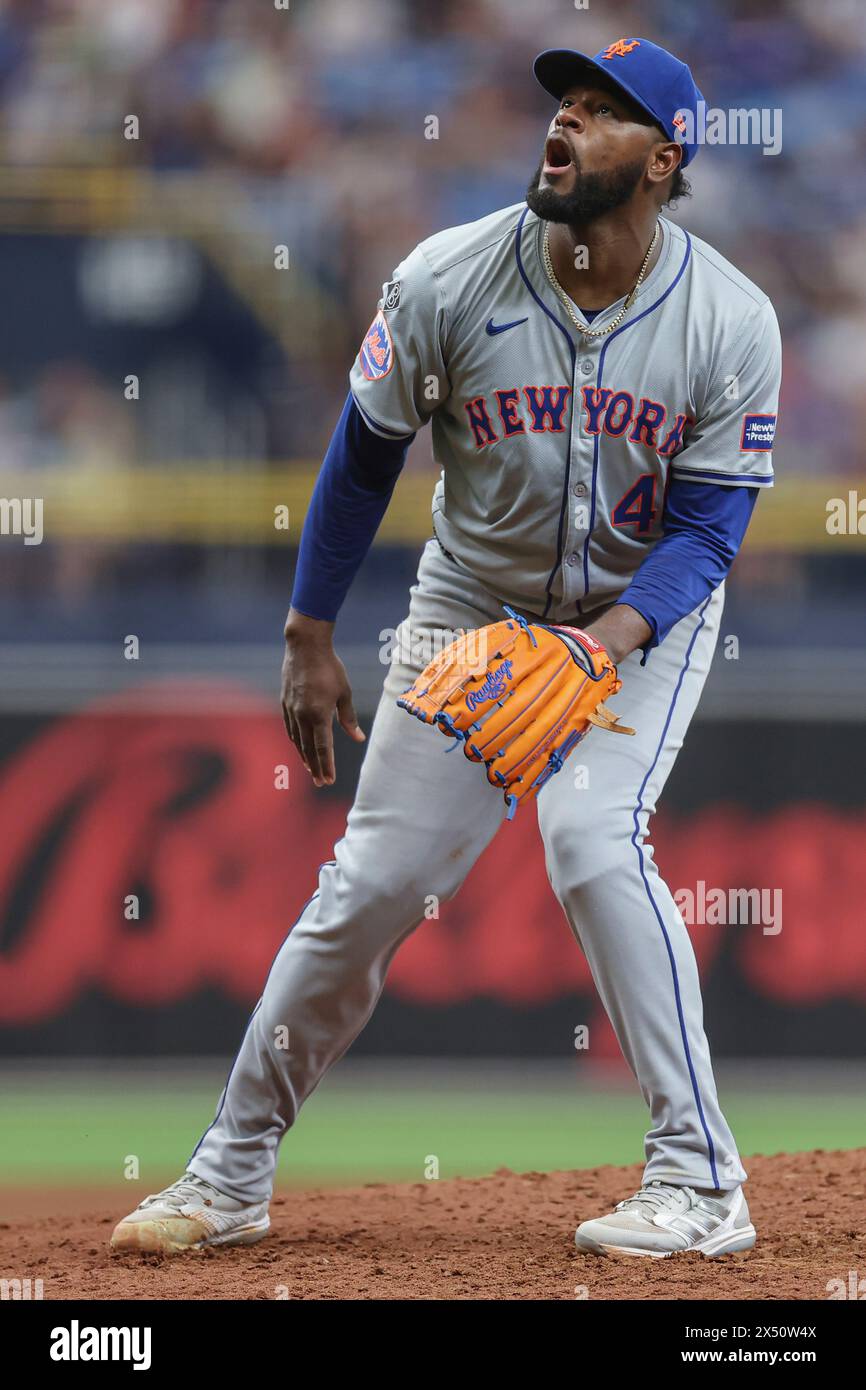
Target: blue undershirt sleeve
[
  {"x": 349, "y": 500},
  {"x": 703, "y": 527}
]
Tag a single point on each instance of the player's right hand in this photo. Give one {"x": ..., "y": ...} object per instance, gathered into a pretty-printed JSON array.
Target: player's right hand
[{"x": 315, "y": 687}]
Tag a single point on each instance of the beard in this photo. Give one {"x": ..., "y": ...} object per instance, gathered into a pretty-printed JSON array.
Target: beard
[{"x": 591, "y": 196}]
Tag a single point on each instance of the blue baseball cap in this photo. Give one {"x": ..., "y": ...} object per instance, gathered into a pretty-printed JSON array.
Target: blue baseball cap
[{"x": 652, "y": 77}]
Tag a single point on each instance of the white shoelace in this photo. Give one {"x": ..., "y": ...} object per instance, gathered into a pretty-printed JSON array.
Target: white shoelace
[
  {"x": 186, "y": 1189},
  {"x": 657, "y": 1196}
]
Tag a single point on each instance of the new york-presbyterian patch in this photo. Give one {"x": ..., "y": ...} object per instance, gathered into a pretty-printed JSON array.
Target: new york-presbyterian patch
[
  {"x": 759, "y": 431},
  {"x": 377, "y": 350}
]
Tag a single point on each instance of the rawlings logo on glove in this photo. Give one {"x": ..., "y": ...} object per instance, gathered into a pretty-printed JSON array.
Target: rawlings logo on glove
[
  {"x": 492, "y": 688},
  {"x": 539, "y": 690}
]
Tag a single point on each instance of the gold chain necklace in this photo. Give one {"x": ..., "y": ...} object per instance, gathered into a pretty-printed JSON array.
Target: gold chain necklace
[{"x": 582, "y": 327}]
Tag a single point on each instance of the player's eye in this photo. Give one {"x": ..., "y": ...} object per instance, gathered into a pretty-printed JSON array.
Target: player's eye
[
  {"x": 566, "y": 101},
  {"x": 603, "y": 106}
]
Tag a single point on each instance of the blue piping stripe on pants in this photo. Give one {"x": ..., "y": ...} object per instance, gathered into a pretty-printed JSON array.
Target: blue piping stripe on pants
[{"x": 634, "y": 839}]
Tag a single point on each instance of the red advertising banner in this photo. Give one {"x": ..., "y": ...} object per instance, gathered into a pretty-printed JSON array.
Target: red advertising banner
[{"x": 183, "y": 813}]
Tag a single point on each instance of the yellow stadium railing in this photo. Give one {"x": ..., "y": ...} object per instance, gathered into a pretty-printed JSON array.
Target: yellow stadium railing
[{"x": 199, "y": 503}]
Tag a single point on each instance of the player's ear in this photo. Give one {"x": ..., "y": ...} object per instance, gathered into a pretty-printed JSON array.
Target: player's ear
[{"x": 664, "y": 160}]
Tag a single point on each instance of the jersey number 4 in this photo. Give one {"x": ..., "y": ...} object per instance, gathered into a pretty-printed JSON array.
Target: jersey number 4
[{"x": 637, "y": 506}]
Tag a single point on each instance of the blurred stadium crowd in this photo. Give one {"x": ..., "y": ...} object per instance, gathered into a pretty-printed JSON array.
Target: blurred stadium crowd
[
  {"x": 310, "y": 121},
  {"x": 158, "y": 371}
]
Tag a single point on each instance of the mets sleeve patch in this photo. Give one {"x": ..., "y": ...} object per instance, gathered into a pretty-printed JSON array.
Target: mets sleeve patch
[{"x": 377, "y": 349}]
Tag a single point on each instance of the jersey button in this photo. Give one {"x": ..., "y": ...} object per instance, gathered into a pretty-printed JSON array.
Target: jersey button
[
  {"x": 572, "y": 559},
  {"x": 579, "y": 489},
  {"x": 586, "y": 367}
]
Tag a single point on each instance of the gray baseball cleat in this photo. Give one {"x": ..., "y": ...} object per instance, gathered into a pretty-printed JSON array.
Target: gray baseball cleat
[
  {"x": 189, "y": 1215},
  {"x": 662, "y": 1220}
]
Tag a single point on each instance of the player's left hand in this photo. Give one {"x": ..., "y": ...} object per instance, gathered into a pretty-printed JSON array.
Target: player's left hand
[{"x": 519, "y": 695}]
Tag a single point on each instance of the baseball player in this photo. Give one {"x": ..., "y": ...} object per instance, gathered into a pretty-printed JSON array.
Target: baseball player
[{"x": 602, "y": 389}]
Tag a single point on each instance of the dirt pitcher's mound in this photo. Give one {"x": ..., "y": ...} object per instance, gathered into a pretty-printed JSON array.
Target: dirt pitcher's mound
[{"x": 509, "y": 1236}]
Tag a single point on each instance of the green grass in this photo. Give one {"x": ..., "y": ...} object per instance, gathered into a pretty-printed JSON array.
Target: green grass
[{"x": 80, "y": 1132}]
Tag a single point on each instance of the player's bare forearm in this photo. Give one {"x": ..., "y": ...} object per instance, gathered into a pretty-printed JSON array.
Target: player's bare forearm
[{"x": 621, "y": 631}]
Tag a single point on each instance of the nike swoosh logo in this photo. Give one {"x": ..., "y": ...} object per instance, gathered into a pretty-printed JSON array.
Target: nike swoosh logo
[{"x": 502, "y": 327}]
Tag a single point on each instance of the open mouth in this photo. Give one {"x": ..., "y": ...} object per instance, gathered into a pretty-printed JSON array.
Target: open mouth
[{"x": 557, "y": 154}]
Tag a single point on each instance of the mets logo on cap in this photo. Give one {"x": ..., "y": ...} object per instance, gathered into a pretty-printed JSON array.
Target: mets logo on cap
[
  {"x": 620, "y": 48},
  {"x": 377, "y": 350}
]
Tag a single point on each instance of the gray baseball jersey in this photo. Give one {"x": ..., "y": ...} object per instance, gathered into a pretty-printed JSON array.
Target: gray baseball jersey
[
  {"x": 556, "y": 450},
  {"x": 555, "y": 455}
]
